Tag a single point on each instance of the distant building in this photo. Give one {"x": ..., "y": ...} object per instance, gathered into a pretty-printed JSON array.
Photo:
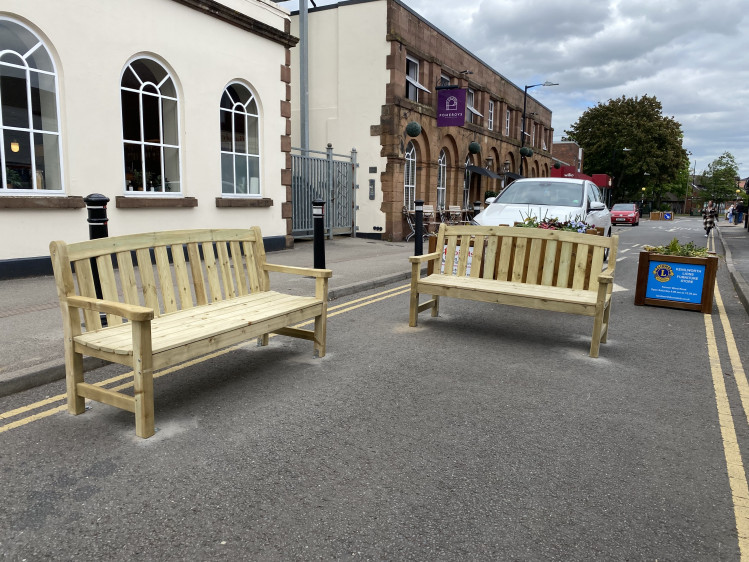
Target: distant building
[
  {"x": 176, "y": 110},
  {"x": 569, "y": 153},
  {"x": 375, "y": 67}
]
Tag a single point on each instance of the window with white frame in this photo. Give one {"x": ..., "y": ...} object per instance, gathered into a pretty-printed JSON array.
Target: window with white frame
[
  {"x": 30, "y": 154},
  {"x": 472, "y": 111},
  {"x": 441, "y": 179},
  {"x": 507, "y": 123},
  {"x": 240, "y": 142},
  {"x": 467, "y": 185},
  {"x": 533, "y": 134},
  {"x": 412, "y": 80},
  {"x": 150, "y": 128},
  {"x": 490, "y": 124},
  {"x": 409, "y": 177},
  {"x": 444, "y": 80}
]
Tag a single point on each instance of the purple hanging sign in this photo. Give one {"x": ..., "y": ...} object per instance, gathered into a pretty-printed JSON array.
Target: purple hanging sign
[{"x": 451, "y": 108}]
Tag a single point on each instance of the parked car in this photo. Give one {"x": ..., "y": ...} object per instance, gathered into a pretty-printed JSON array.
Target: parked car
[
  {"x": 625, "y": 213},
  {"x": 561, "y": 198}
]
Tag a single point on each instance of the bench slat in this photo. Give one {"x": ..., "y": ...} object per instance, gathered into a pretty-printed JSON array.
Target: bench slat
[
  {"x": 490, "y": 256},
  {"x": 478, "y": 256},
  {"x": 550, "y": 257},
  {"x": 535, "y": 258},
  {"x": 254, "y": 274},
  {"x": 239, "y": 269},
  {"x": 85, "y": 278},
  {"x": 519, "y": 263},
  {"x": 225, "y": 268},
  {"x": 183, "y": 287},
  {"x": 196, "y": 268},
  {"x": 565, "y": 262},
  {"x": 209, "y": 261},
  {"x": 596, "y": 264},
  {"x": 465, "y": 249},
  {"x": 148, "y": 281},
  {"x": 166, "y": 284},
  {"x": 108, "y": 285},
  {"x": 127, "y": 278}
]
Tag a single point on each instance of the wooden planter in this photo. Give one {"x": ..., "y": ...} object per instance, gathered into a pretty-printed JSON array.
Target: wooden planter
[{"x": 676, "y": 281}]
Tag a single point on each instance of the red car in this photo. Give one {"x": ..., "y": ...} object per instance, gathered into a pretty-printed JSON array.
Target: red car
[{"x": 625, "y": 213}]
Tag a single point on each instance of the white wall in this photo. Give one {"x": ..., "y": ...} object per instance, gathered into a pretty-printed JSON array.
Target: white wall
[
  {"x": 91, "y": 41},
  {"x": 347, "y": 80}
]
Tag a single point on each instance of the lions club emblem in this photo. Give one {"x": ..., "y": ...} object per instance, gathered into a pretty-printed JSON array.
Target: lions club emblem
[{"x": 663, "y": 272}]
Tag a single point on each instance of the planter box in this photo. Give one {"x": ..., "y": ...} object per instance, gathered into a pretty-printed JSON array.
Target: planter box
[{"x": 676, "y": 281}]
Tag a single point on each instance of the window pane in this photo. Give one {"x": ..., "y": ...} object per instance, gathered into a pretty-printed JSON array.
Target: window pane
[
  {"x": 47, "y": 154},
  {"x": 252, "y": 107},
  {"x": 226, "y": 133},
  {"x": 153, "y": 168},
  {"x": 254, "y": 174},
  {"x": 43, "y": 102},
  {"x": 130, "y": 116},
  {"x": 14, "y": 97},
  {"x": 171, "y": 170},
  {"x": 148, "y": 70},
  {"x": 226, "y": 102},
  {"x": 133, "y": 167},
  {"x": 129, "y": 80},
  {"x": 253, "y": 142},
  {"x": 240, "y": 142},
  {"x": 170, "y": 116},
  {"x": 240, "y": 163},
  {"x": 167, "y": 89},
  {"x": 227, "y": 173},
  {"x": 151, "y": 120},
  {"x": 40, "y": 59},
  {"x": 18, "y": 162},
  {"x": 16, "y": 38}
]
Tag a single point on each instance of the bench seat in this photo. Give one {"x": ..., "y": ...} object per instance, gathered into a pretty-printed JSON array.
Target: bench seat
[{"x": 205, "y": 328}]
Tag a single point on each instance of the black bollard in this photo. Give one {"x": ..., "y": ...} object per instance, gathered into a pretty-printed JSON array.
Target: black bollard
[
  {"x": 96, "y": 205},
  {"x": 318, "y": 216},
  {"x": 419, "y": 219}
]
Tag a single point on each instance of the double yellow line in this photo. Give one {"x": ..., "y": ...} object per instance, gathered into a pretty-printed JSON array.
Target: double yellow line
[{"x": 332, "y": 311}]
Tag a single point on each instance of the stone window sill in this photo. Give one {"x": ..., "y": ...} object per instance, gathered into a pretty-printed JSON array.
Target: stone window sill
[
  {"x": 225, "y": 202},
  {"x": 122, "y": 202},
  {"x": 41, "y": 202}
]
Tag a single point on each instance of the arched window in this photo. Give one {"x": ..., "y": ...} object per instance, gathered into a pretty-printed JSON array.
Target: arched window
[
  {"x": 150, "y": 128},
  {"x": 409, "y": 177},
  {"x": 240, "y": 142},
  {"x": 467, "y": 185},
  {"x": 29, "y": 125},
  {"x": 441, "y": 180}
]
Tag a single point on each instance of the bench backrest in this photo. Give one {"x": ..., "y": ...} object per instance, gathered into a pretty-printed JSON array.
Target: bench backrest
[
  {"x": 206, "y": 266},
  {"x": 525, "y": 255}
]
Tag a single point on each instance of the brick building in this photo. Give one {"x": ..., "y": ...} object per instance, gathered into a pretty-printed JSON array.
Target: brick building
[
  {"x": 374, "y": 68},
  {"x": 569, "y": 153}
]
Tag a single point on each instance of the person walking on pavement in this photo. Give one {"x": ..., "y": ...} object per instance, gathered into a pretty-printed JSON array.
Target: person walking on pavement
[{"x": 709, "y": 215}]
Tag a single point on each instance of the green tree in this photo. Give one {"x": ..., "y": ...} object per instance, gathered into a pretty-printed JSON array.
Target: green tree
[
  {"x": 631, "y": 140},
  {"x": 720, "y": 178}
]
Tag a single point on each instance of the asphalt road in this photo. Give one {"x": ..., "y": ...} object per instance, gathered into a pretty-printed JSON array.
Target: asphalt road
[{"x": 484, "y": 434}]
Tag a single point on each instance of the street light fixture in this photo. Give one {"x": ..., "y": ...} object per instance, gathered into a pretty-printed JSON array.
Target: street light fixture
[{"x": 525, "y": 103}]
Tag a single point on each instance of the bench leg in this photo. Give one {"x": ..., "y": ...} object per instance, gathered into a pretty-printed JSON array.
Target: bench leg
[
  {"x": 413, "y": 311},
  {"x": 143, "y": 379},
  {"x": 263, "y": 340},
  {"x": 435, "y": 306},
  {"x": 600, "y": 328},
  {"x": 74, "y": 375},
  {"x": 320, "y": 335}
]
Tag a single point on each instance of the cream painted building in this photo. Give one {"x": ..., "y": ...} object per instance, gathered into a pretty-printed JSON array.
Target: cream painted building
[
  {"x": 180, "y": 118},
  {"x": 374, "y": 70}
]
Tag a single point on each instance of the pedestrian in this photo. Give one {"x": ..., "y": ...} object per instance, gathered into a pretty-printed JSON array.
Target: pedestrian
[
  {"x": 729, "y": 213},
  {"x": 709, "y": 214},
  {"x": 740, "y": 210}
]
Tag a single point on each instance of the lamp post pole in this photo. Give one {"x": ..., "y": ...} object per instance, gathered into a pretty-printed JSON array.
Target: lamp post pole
[{"x": 525, "y": 104}]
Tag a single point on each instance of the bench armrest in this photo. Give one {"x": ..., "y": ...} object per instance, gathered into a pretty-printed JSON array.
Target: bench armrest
[
  {"x": 133, "y": 312},
  {"x": 606, "y": 276},
  {"x": 424, "y": 257},
  {"x": 293, "y": 270}
]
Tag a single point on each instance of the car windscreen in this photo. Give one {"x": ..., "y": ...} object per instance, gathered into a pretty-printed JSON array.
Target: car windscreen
[
  {"x": 562, "y": 194},
  {"x": 623, "y": 207}
]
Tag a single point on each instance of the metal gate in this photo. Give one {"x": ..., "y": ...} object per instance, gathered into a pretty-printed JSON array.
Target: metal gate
[{"x": 331, "y": 178}]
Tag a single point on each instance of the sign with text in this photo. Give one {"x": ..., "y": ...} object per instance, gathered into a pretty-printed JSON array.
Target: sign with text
[
  {"x": 675, "y": 282},
  {"x": 451, "y": 107},
  {"x": 456, "y": 259}
]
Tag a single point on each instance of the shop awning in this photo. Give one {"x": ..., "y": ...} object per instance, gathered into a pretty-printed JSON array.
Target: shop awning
[{"x": 483, "y": 172}]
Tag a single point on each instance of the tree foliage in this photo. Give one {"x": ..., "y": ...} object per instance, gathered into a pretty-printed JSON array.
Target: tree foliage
[
  {"x": 720, "y": 178},
  {"x": 631, "y": 140}
]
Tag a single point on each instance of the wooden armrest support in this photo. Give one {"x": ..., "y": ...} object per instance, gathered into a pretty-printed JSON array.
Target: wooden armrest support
[
  {"x": 132, "y": 312},
  {"x": 424, "y": 257},
  {"x": 308, "y": 271},
  {"x": 606, "y": 276}
]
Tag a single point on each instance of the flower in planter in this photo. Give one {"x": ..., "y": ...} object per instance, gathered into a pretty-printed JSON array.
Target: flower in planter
[
  {"x": 674, "y": 248},
  {"x": 554, "y": 223}
]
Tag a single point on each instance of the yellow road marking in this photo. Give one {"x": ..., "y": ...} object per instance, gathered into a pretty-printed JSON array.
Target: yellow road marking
[
  {"x": 332, "y": 311},
  {"x": 734, "y": 464}
]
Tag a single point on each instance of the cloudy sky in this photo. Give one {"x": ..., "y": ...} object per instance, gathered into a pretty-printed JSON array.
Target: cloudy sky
[{"x": 692, "y": 55}]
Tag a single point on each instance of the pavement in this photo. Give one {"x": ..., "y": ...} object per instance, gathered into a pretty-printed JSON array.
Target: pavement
[{"x": 31, "y": 328}]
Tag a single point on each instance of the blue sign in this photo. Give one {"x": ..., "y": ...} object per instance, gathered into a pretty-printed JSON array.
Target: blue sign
[
  {"x": 666, "y": 216},
  {"x": 678, "y": 282}
]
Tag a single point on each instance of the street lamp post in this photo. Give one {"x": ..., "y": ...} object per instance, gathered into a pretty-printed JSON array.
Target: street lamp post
[
  {"x": 642, "y": 202},
  {"x": 525, "y": 103}
]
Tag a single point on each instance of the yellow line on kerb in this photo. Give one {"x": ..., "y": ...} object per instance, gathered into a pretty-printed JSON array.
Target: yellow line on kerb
[
  {"x": 332, "y": 311},
  {"x": 734, "y": 464}
]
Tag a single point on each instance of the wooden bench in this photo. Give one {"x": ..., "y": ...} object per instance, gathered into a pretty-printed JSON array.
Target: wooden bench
[
  {"x": 215, "y": 294},
  {"x": 528, "y": 267}
]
